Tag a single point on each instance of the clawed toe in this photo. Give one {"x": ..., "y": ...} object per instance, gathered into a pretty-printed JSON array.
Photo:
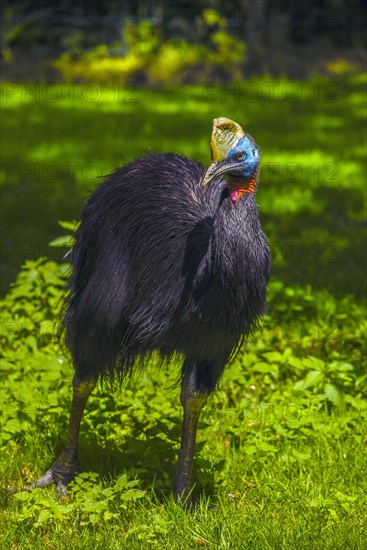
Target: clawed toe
[
  {"x": 44, "y": 481},
  {"x": 57, "y": 475}
]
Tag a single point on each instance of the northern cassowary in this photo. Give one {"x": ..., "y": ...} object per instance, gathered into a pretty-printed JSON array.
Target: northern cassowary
[{"x": 171, "y": 257}]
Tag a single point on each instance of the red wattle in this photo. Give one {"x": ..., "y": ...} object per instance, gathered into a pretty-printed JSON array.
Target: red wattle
[{"x": 234, "y": 195}]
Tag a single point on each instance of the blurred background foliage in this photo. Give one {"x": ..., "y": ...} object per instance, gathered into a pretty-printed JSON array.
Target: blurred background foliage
[{"x": 158, "y": 41}]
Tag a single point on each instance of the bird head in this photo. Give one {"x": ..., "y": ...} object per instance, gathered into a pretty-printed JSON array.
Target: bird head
[{"x": 234, "y": 154}]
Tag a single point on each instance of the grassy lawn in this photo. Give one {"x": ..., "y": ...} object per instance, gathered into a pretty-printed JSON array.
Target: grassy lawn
[{"x": 280, "y": 457}]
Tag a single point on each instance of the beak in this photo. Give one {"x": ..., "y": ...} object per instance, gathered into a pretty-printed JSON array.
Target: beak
[{"x": 214, "y": 170}]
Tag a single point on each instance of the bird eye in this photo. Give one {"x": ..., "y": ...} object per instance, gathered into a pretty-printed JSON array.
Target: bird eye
[{"x": 240, "y": 156}]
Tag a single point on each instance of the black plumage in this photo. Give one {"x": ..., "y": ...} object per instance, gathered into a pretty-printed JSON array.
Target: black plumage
[
  {"x": 165, "y": 261},
  {"x": 161, "y": 263}
]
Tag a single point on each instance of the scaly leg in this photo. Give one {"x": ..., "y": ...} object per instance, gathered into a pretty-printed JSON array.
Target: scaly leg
[
  {"x": 63, "y": 470},
  {"x": 193, "y": 401}
]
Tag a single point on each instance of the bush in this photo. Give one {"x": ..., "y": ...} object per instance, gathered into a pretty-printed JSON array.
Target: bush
[{"x": 150, "y": 59}]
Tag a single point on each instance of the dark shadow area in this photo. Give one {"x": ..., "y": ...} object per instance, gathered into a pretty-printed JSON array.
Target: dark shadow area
[
  {"x": 147, "y": 452},
  {"x": 324, "y": 249}
]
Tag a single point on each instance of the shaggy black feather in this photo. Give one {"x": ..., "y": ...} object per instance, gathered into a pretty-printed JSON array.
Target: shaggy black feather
[{"x": 162, "y": 263}]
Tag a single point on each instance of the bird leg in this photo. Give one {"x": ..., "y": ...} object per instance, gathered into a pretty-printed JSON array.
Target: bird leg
[
  {"x": 63, "y": 470},
  {"x": 193, "y": 401}
]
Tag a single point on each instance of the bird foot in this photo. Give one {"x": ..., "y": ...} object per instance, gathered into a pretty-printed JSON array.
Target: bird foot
[
  {"x": 58, "y": 474},
  {"x": 182, "y": 492}
]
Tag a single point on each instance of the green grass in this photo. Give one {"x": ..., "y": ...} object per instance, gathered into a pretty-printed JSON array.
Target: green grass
[
  {"x": 280, "y": 459},
  {"x": 312, "y": 179}
]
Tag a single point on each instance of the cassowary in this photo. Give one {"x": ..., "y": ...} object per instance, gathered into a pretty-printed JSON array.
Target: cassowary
[{"x": 171, "y": 257}]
